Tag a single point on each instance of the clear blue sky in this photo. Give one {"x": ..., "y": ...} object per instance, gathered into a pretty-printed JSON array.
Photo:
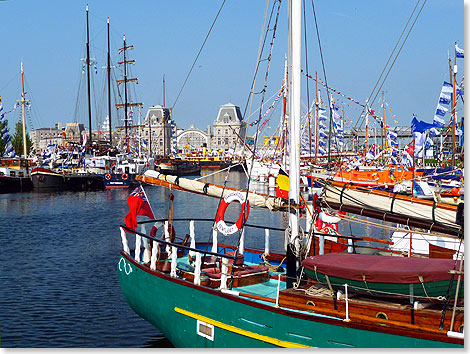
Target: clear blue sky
[{"x": 357, "y": 37}]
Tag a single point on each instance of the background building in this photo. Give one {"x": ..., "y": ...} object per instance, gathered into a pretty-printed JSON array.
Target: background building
[{"x": 228, "y": 124}]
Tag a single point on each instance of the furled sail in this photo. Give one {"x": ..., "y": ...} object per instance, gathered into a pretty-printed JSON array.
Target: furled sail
[{"x": 256, "y": 199}]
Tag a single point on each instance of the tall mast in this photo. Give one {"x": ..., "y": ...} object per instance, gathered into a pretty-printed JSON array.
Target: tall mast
[
  {"x": 126, "y": 104},
  {"x": 366, "y": 136},
  {"x": 453, "y": 107},
  {"x": 109, "y": 92},
  {"x": 294, "y": 157},
  {"x": 23, "y": 101},
  {"x": 316, "y": 116},
  {"x": 125, "y": 93},
  {"x": 344, "y": 143},
  {"x": 88, "y": 72},
  {"x": 164, "y": 120},
  {"x": 164, "y": 91},
  {"x": 385, "y": 125},
  {"x": 284, "y": 111}
]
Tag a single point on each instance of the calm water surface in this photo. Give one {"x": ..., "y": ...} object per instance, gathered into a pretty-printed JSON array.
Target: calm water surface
[{"x": 58, "y": 278}]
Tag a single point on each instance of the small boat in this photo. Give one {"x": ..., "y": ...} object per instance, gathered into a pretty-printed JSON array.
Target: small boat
[
  {"x": 125, "y": 170},
  {"x": 178, "y": 168},
  {"x": 47, "y": 178},
  {"x": 14, "y": 175}
]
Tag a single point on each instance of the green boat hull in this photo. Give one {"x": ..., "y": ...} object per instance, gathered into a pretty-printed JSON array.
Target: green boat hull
[
  {"x": 179, "y": 308},
  {"x": 432, "y": 289}
]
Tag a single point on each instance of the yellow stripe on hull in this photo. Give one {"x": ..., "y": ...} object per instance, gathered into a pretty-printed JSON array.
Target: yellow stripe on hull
[{"x": 278, "y": 342}]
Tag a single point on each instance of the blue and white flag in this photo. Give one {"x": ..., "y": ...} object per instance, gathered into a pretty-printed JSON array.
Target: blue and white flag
[
  {"x": 392, "y": 135},
  {"x": 371, "y": 153},
  {"x": 321, "y": 151},
  {"x": 433, "y": 132},
  {"x": 459, "y": 52},
  {"x": 428, "y": 143},
  {"x": 1, "y": 107},
  {"x": 407, "y": 160},
  {"x": 444, "y": 98},
  {"x": 419, "y": 125},
  {"x": 321, "y": 143},
  {"x": 447, "y": 88}
]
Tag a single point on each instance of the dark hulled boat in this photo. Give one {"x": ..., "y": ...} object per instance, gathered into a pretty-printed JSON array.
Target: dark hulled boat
[{"x": 14, "y": 175}]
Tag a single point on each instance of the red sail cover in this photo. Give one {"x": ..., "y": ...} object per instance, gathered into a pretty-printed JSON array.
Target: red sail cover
[{"x": 381, "y": 269}]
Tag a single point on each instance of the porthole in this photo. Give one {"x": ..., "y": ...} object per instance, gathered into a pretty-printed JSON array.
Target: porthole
[
  {"x": 461, "y": 328},
  {"x": 382, "y": 315},
  {"x": 310, "y": 303}
]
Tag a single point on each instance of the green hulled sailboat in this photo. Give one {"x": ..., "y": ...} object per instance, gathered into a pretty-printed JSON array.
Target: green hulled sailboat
[{"x": 214, "y": 295}]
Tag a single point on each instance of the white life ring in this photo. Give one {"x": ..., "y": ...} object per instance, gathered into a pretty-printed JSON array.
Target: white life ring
[{"x": 219, "y": 219}]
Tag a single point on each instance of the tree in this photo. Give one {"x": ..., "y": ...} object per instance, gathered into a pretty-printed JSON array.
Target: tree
[{"x": 17, "y": 140}]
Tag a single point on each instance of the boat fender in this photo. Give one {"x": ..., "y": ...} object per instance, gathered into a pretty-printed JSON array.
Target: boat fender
[
  {"x": 219, "y": 218},
  {"x": 329, "y": 219}
]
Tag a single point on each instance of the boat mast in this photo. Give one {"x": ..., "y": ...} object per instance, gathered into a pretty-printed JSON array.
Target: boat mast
[
  {"x": 385, "y": 126},
  {"x": 294, "y": 156},
  {"x": 453, "y": 107},
  {"x": 367, "y": 131},
  {"x": 316, "y": 116},
  {"x": 88, "y": 72},
  {"x": 284, "y": 111},
  {"x": 163, "y": 120},
  {"x": 344, "y": 143},
  {"x": 125, "y": 94},
  {"x": 23, "y": 101},
  {"x": 126, "y": 104},
  {"x": 109, "y": 92}
]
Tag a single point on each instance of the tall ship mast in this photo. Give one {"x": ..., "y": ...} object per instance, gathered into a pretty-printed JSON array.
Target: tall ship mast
[{"x": 124, "y": 81}]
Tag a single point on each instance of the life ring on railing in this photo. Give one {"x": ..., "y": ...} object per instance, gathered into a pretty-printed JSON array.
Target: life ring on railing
[
  {"x": 107, "y": 176},
  {"x": 124, "y": 176},
  {"x": 219, "y": 218}
]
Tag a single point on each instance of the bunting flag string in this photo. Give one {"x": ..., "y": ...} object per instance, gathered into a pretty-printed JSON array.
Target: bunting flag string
[
  {"x": 271, "y": 107},
  {"x": 371, "y": 111}
]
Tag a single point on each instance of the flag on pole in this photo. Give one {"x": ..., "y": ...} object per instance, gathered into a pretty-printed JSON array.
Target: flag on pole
[
  {"x": 138, "y": 205},
  {"x": 459, "y": 52}
]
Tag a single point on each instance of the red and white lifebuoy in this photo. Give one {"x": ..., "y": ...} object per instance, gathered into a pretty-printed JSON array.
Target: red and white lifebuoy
[
  {"x": 107, "y": 176},
  {"x": 245, "y": 207},
  {"x": 124, "y": 176}
]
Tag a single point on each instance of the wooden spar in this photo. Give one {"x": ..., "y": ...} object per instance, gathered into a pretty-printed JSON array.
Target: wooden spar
[
  {"x": 391, "y": 217},
  {"x": 127, "y": 80},
  {"x": 241, "y": 139},
  {"x": 396, "y": 196},
  {"x": 129, "y": 104},
  {"x": 213, "y": 190},
  {"x": 130, "y": 47},
  {"x": 127, "y": 62}
]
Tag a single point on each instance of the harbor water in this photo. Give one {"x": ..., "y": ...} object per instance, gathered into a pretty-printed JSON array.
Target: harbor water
[{"x": 59, "y": 285}]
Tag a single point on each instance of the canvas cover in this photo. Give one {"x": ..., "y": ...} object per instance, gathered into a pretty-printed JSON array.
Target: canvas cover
[{"x": 381, "y": 269}]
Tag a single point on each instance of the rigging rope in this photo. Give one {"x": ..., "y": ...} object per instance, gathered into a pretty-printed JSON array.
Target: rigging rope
[
  {"x": 199, "y": 53},
  {"x": 394, "y": 60}
]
